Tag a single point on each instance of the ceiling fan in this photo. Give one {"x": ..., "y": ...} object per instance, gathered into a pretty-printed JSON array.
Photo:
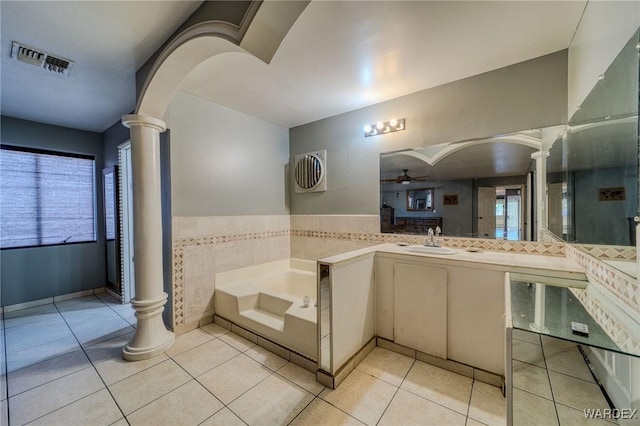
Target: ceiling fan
[{"x": 405, "y": 179}]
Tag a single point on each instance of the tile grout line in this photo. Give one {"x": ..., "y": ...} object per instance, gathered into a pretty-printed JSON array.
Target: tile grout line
[
  {"x": 216, "y": 413},
  {"x": 473, "y": 382},
  {"x": 271, "y": 373},
  {"x": 211, "y": 369},
  {"x": 193, "y": 378},
  {"x": 66, "y": 375},
  {"x": 91, "y": 362},
  {"x": 546, "y": 367},
  {"x": 118, "y": 313},
  {"x": 397, "y": 389},
  {"x": 435, "y": 402}
]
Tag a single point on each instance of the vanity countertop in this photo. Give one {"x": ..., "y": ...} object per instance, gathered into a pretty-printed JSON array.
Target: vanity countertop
[{"x": 515, "y": 262}]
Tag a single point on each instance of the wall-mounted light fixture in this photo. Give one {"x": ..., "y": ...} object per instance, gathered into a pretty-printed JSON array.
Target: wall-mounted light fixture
[{"x": 379, "y": 128}]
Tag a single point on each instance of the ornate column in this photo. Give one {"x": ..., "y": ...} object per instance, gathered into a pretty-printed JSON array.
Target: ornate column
[
  {"x": 541, "y": 191},
  {"x": 151, "y": 336}
]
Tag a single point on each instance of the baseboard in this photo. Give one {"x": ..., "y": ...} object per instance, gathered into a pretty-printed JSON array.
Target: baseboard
[{"x": 49, "y": 300}]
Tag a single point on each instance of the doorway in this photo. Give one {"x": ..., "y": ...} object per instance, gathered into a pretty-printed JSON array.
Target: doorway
[
  {"x": 126, "y": 221},
  {"x": 501, "y": 212},
  {"x": 509, "y": 213},
  {"x": 557, "y": 209},
  {"x": 487, "y": 212}
]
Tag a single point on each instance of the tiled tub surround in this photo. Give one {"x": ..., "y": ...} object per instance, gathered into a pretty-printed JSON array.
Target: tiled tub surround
[{"x": 203, "y": 246}]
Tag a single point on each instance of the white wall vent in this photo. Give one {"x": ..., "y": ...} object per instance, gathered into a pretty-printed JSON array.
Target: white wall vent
[
  {"x": 311, "y": 171},
  {"x": 29, "y": 55}
]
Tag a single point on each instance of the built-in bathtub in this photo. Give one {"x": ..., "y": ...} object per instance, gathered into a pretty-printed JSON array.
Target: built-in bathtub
[{"x": 268, "y": 299}]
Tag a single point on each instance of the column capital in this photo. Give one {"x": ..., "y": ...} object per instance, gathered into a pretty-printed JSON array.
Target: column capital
[
  {"x": 539, "y": 154},
  {"x": 137, "y": 120}
]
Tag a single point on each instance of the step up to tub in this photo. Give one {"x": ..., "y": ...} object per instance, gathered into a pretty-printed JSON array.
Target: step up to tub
[
  {"x": 268, "y": 300},
  {"x": 266, "y": 318},
  {"x": 267, "y": 309}
]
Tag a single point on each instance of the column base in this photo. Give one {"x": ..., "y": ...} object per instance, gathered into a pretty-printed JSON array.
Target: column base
[{"x": 151, "y": 337}]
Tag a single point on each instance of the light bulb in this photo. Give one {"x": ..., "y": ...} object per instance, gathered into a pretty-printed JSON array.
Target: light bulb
[
  {"x": 380, "y": 125},
  {"x": 393, "y": 122},
  {"x": 367, "y": 128}
]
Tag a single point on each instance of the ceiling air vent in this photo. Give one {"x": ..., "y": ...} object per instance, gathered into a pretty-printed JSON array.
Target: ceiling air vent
[
  {"x": 29, "y": 55},
  {"x": 310, "y": 172}
]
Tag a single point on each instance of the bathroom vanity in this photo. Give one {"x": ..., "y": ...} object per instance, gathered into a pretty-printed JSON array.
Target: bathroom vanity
[{"x": 448, "y": 307}]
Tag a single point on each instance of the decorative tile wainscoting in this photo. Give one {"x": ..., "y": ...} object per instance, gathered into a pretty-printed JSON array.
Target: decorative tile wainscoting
[
  {"x": 315, "y": 237},
  {"x": 203, "y": 246}
]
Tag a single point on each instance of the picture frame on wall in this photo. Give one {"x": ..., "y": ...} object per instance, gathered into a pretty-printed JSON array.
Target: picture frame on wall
[
  {"x": 450, "y": 199},
  {"x": 612, "y": 194}
]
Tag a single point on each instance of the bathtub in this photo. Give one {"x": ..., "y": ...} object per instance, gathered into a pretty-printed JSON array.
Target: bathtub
[{"x": 268, "y": 299}]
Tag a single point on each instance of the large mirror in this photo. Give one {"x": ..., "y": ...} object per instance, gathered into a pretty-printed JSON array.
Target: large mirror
[
  {"x": 476, "y": 188},
  {"x": 592, "y": 173}
]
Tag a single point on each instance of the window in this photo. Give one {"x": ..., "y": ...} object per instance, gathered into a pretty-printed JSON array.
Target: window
[{"x": 46, "y": 198}]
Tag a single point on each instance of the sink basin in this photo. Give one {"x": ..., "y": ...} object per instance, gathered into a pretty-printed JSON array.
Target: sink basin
[{"x": 430, "y": 249}]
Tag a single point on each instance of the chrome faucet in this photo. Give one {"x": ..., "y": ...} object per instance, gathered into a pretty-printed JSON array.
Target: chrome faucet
[{"x": 430, "y": 241}]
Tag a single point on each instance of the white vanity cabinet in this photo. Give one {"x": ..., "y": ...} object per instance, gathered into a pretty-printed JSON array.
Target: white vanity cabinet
[
  {"x": 420, "y": 308},
  {"x": 453, "y": 310},
  {"x": 475, "y": 320}
]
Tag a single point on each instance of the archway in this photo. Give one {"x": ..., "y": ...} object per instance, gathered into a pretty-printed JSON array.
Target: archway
[{"x": 259, "y": 33}]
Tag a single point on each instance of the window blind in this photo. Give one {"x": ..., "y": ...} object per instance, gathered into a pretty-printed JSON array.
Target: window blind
[{"x": 45, "y": 198}]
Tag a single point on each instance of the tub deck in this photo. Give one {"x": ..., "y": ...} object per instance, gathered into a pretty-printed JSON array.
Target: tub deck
[{"x": 269, "y": 300}]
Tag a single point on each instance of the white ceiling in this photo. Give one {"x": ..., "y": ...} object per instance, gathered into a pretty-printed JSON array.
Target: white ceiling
[
  {"x": 344, "y": 55},
  {"x": 339, "y": 56},
  {"x": 108, "y": 40}
]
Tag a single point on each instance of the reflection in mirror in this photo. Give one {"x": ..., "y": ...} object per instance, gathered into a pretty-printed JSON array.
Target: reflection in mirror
[
  {"x": 478, "y": 188},
  {"x": 592, "y": 173},
  {"x": 420, "y": 200}
]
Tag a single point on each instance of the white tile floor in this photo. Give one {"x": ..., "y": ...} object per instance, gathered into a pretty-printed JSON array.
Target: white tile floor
[
  {"x": 552, "y": 383},
  {"x": 65, "y": 367}
]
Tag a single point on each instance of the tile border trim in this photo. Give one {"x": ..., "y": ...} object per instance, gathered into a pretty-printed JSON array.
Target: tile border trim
[
  {"x": 620, "y": 335},
  {"x": 530, "y": 247},
  {"x": 179, "y": 244},
  {"x": 623, "y": 286}
]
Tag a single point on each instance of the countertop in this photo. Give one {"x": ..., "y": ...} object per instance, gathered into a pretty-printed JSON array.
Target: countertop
[{"x": 514, "y": 262}]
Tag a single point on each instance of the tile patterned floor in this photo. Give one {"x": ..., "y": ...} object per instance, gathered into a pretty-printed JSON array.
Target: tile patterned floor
[
  {"x": 65, "y": 367},
  {"x": 552, "y": 383}
]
